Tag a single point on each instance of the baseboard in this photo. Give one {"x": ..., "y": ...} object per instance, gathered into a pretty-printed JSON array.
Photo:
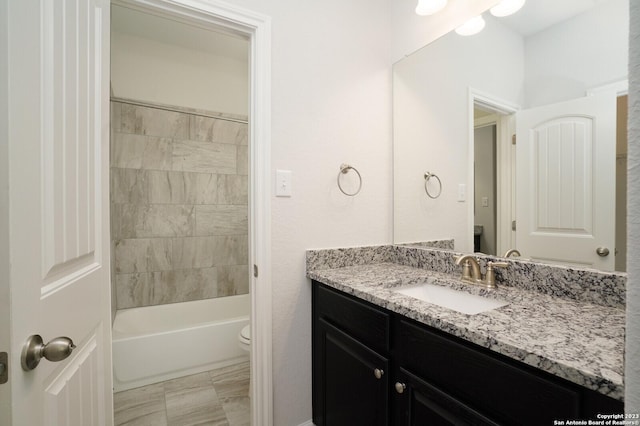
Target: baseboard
[{"x": 307, "y": 423}]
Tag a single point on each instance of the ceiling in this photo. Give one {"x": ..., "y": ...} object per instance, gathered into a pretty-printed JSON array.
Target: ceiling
[{"x": 164, "y": 30}]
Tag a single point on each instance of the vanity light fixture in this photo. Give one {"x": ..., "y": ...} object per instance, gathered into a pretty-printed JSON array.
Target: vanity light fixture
[
  {"x": 472, "y": 26},
  {"x": 506, "y": 7},
  {"x": 429, "y": 7}
]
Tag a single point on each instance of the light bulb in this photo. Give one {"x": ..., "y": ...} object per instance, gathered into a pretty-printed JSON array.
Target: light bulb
[
  {"x": 471, "y": 27},
  {"x": 429, "y": 7},
  {"x": 507, "y": 7}
]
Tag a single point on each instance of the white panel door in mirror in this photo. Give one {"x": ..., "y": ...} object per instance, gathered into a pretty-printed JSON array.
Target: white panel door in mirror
[{"x": 565, "y": 184}]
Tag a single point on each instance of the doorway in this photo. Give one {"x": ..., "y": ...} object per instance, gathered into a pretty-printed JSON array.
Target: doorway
[
  {"x": 493, "y": 121},
  {"x": 232, "y": 186},
  {"x": 485, "y": 185}
]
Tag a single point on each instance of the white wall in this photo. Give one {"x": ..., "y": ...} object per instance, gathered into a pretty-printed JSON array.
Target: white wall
[
  {"x": 431, "y": 127},
  {"x": 153, "y": 71},
  {"x": 589, "y": 50},
  {"x": 632, "y": 354},
  {"x": 331, "y": 103}
]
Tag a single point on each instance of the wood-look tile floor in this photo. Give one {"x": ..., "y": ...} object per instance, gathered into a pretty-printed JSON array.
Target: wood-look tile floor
[{"x": 217, "y": 397}]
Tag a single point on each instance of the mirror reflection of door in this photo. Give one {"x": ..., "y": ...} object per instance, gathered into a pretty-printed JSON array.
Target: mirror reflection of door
[
  {"x": 566, "y": 164},
  {"x": 489, "y": 194},
  {"x": 484, "y": 136}
]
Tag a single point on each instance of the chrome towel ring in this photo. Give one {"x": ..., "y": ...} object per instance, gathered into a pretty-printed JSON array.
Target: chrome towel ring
[
  {"x": 344, "y": 169},
  {"x": 427, "y": 176}
]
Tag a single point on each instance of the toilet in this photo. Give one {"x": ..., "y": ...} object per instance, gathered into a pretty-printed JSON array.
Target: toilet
[{"x": 244, "y": 338}]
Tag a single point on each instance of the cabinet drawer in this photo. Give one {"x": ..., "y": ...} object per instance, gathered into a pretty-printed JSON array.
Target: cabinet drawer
[
  {"x": 497, "y": 387},
  {"x": 365, "y": 322}
]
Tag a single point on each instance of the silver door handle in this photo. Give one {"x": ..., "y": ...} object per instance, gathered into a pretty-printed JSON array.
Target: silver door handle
[
  {"x": 378, "y": 373},
  {"x": 400, "y": 387},
  {"x": 602, "y": 251},
  {"x": 34, "y": 350}
]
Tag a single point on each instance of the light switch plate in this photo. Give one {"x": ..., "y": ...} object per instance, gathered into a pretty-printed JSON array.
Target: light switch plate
[
  {"x": 462, "y": 192},
  {"x": 283, "y": 183},
  {"x": 485, "y": 201}
]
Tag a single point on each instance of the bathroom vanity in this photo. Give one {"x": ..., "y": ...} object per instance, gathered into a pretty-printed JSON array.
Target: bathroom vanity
[{"x": 381, "y": 357}]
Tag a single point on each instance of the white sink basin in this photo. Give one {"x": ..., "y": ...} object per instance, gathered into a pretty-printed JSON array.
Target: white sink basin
[{"x": 460, "y": 301}]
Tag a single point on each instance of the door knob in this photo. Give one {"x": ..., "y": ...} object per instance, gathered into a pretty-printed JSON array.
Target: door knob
[
  {"x": 602, "y": 251},
  {"x": 34, "y": 350}
]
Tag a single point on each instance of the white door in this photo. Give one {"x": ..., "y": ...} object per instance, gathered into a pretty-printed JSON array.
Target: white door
[
  {"x": 58, "y": 121},
  {"x": 565, "y": 197}
]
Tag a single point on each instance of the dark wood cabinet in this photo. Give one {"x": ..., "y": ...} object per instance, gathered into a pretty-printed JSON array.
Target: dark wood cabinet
[
  {"x": 374, "y": 367},
  {"x": 350, "y": 361},
  {"x": 355, "y": 383},
  {"x": 501, "y": 387},
  {"x": 418, "y": 403}
]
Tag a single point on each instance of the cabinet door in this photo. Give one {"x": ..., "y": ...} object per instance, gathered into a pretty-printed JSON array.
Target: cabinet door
[
  {"x": 417, "y": 403},
  {"x": 351, "y": 392}
]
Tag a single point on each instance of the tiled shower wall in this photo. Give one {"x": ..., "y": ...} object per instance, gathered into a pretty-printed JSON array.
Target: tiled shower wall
[{"x": 179, "y": 205}]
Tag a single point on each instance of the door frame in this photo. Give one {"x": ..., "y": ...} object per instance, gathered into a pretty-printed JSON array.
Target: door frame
[
  {"x": 256, "y": 27},
  {"x": 505, "y": 167},
  {"x": 5, "y": 271}
]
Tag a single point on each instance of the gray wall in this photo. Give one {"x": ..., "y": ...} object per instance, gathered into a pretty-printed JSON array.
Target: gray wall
[
  {"x": 179, "y": 206},
  {"x": 632, "y": 353}
]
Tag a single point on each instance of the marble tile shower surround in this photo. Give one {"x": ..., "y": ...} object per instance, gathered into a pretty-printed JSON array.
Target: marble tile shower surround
[
  {"x": 586, "y": 285},
  {"x": 179, "y": 204}
]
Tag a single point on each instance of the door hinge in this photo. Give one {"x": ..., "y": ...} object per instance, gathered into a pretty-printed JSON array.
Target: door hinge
[
  {"x": 513, "y": 139},
  {"x": 255, "y": 271},
  {"x": 513, "y": 225},
  {"x": 4, "y": 368}
]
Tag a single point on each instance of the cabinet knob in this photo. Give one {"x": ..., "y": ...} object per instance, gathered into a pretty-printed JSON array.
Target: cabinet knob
[
  {"x": 378, "y": 373},
  {"x": 400, "y": 387}
]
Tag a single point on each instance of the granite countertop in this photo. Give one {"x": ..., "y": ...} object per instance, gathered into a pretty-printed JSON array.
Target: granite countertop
[{"x": 576, "y": 340}]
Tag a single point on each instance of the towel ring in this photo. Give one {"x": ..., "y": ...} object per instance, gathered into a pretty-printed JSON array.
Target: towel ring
[
  {"x": 427, "y": 176},
  {"x": 344, "y": 169}
]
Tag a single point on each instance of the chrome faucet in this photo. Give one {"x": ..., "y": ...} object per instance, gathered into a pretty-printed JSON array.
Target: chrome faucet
[
  {"x": 471, "y": 271},
  {"x": 512, "y": 252}
]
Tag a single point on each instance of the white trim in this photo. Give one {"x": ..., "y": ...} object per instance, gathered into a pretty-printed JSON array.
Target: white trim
[
  {"x": 213, "y": 14},
  {"x": 621, "y": 88},
  {"x": 307, "y": 423},
  {"x": 505, "y": 163},
  {"x": 492, "y": 103},
  {"x": 5, "y": 269}
]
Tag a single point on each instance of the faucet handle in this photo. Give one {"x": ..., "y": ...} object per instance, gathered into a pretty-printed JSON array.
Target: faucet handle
[
  {"x": 490, "y": 276},
  {"x": 466, "y": 275}
]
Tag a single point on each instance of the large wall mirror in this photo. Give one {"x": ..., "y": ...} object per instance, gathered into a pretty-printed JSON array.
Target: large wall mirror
[{"x": 524, "y": 124}]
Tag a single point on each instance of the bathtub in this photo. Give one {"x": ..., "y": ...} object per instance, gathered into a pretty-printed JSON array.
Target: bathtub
[{"x": 156, "y": 343}]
